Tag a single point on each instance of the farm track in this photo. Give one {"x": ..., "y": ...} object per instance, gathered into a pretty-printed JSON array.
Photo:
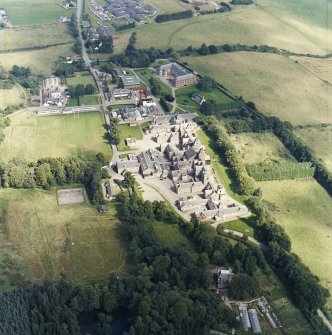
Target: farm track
[{"x": 33, "y": 48}]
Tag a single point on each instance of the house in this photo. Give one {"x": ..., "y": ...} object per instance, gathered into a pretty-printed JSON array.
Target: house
[
  {"x": 63, "y": 19},
  {"x": 93, "y": 34},
  {"x": 189, "y": 187},
  {"x": 224, "y": 277},
  {"x": 132, "y": 166}
]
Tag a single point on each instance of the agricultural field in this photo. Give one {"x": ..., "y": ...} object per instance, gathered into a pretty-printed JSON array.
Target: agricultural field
[
  {"x": 41, "y": 240},
  {"x": 40, "y": 61},
  {"x": 261, "y": 148},
  {"x": 33, "y": 12},
  {"x": 319, "y": 139},
  {"x": 34, "y": 36},
  {"x": 304, "y": 209},
  {"x": 125, "y": 131},
  {"x": 257, "y": 77},
  {"x": 83, "y": 78},
  {"x": 12, "y": 96},
  {"x": 250, "y": 25},
  {"x": 54, "y": 136}
]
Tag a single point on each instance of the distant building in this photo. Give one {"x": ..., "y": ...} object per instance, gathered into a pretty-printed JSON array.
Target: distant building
[
  {"x": 130, "y": 80},
  {"x": 198, "y": 98},
  {"x": 178, "y": 76}
]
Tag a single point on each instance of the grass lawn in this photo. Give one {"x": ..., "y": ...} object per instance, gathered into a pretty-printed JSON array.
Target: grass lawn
[
  {"x": 319, "y": 139},
  {"x": 40, "y": 61},
  {"x": 41, "y": 240},
  {"x": 304, "y": 209},
  {"x": 85, "y": 100},
  {"x": 12, "y": 96},
  {"x": 126, "y": 131},
  {"x": 146, "y": 75},
  {"x": 184, "y": 96},
  {"x": 33, "y": 12},
  {"x": 244, "y": 225},
  {"x": 260, "y": 148},
  {"x": 223, "y": 172},
  {"x": 30, "y": 37},
  {"x": 83, "y": 78},
  {"x": 293, "y": 94},
  {"x": 54, "y": 136}
]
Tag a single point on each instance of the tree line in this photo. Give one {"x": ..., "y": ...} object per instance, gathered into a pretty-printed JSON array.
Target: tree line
[
  {"x": 186, "y": 14},
  {"x": 281, "y": 171}
]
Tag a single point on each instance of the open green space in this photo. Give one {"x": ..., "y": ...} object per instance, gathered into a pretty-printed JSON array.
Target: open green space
[
  {"x": 125, "y": 131},
  {"x": 83, "y": 78},
  {"x": 319, "y": 139},
  {"x": 54, "y": 136},
  {"x": 146, "y": 75},
  {"x": 33, "y": 12},
  {"x": 261, "y": 148},
  {"x": 223, "y": 173},
  {"x": 245, "y": 226},
  {"x": 12, "y": 96},
  {"x": 184, "y": 96},
  {"x": 304, "y": 209},
  {"x": 293, "y": 94},
  {"x": 85, "y": 100},
  {"x": 41, "y": 240}
]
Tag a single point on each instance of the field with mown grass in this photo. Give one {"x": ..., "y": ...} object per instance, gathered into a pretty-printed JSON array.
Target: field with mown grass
[
  {"x": 278, "y": 85},
  {"x": 319, "y": 139},
  {"x": 83, "y": 78},
  {"x": 126, "y": 131},
  {"x": 260, "y": 148},
  {"x": 43, "y": 241},
  {"x": 12, "y": 96},
  {"x": 33, "y": 12},
  {"x": 304, "y": 209},
  {"x": 84, "y": 100},
  {"x": 31, "y": 137}
]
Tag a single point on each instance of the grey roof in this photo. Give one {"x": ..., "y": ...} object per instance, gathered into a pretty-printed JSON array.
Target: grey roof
[
  {"x": 127, "y": 164},
  {"x": 177, "y": 71},
  {"x": 256, "y": 327},
  {"x": 190, "y": 153},
  {"x": 129, "y": 80},
  {"x": 148, "y": 160},
  {"x": 244, "y": 317}
]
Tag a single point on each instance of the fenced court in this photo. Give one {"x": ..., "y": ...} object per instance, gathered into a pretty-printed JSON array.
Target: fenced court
[{"x": 70, "y": 196}]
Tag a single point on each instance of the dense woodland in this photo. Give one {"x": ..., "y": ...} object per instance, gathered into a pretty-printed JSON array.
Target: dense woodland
[{"x": 186, "y": 14}]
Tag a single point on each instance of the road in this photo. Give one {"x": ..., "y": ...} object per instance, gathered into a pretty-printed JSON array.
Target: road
[
  {"x": 325, "y": 320},
  {"x": 85, "y": 55}
]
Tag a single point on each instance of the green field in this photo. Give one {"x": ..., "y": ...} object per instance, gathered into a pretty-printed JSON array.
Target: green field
[
  {"x": 54, "y": 136},
  {"x": 304, "y": 209},
  {"x": 260, "y": 148},
  {"x": 146, "y": 75},
  {"x": 34, "y": 36},
  {"x": 293, "y": 94},
  {"x": 85, "y": 100},
  {"x": 83, "y": 78},
  {"x": 319, "y": 139},
  {"x": 41, "y": 240},
  {"x": 33, "y": 12},
  {"x": 40, "y": 61},
  {"x": 12, "y": 96},
  {"x": 125, "y": 131}
]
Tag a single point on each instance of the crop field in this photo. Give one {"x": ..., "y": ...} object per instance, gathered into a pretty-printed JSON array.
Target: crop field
[
  {"x": 34, "y": 36},
  {"x": 11, "y": 96},
  {"x": 319, "y": 139},
  {"x": 304, "y": 209},
  {"x": 250, "y": 25},
  {"x": 33, "y": 12},
  {"x": 260, "y": 148},
  {"x": 41, "y": 240},
  {"x": 54, "y": 136},
  {"x": 40, "y": 61},
  {"x": 83, "y": 78},
  {"x": 126, "y": 131},
  {"x": 293, "y": 94}
]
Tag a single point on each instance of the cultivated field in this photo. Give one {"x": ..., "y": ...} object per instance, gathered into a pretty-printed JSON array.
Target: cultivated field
[
  {"x": 34, "y": 36},
  {"x": 293, "y": 93},
  {"x": 41, "y": 240},
  {"x": 40, "y": 61},
  {"x": 54, "y": 136},
  {"x": 126, "y": 131},
  {"x": 260, "y": 148},
  {"x": 33, "y": 12},
  {"x": 304, "y": 209},
  {"x": 245, "y": 24},
  {"x": 319, "y": 139},
  {"x": 11, "y": 96}
]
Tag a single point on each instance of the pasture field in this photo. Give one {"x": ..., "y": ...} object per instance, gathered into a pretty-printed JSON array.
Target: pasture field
[
  {"x": 260, "y": 148},
  {"x": 54, "y": 136},
  {"x": 12, "y": 96},
  {"x": 40, "y": 61},
  {"x": 43, "y": 241},
  {"x": 35, "y": 36},
  {"x": 33, "y": 12},
  {"x": 319, "y": 139},
  {"x": 250, "y": 25},
  {"x": 146, "y": 75},
  {"x": 126, "y": 131},
  {"x": 304, "y": 209},
  {"x": 83, "y": 78},
  {"x": 293, "y": 94},
  {"x": 169, "y": 6}
]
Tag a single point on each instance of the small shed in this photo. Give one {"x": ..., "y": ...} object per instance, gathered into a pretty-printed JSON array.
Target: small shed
[{"x": 102, "y": 209}]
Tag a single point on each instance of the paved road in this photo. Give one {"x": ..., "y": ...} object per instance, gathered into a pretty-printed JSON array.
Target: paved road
[
  {"x": 325, "y": 320},
  {"x": 85, "y": 55}
]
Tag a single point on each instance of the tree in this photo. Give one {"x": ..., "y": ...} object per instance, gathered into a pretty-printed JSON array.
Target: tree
[
  {"x": 244, "y": 287},
  {"x": 79, "y": 90},
  {"x": 90, "y": 89},
  {"x": 204, "y": 50},
  {"x": 129, "y": 180},
  {"x": 213, "y": 49},
  {"x": 207, "y": 108}
]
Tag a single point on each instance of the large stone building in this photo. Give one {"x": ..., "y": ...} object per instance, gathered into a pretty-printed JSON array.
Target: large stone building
[{"x": 178, "y": 76}]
